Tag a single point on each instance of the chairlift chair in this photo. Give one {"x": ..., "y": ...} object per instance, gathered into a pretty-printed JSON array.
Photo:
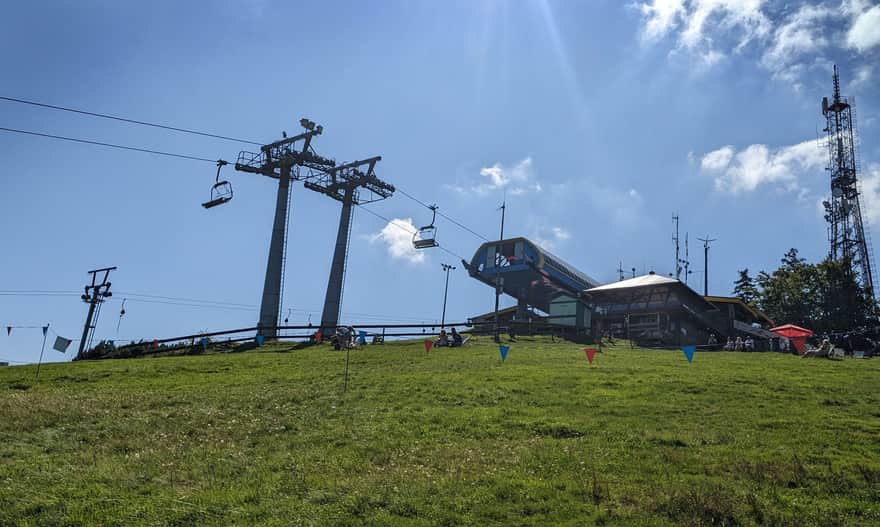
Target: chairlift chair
[
  {"x": 426, "y": 237},
  {"x": 221, "y": 191}
]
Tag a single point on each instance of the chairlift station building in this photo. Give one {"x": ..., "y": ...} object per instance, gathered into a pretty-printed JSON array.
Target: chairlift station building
[{"x": 649, "y": 309}]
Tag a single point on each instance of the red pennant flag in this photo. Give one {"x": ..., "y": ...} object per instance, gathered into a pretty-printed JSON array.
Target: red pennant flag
[
  {"x": 155, "y": 343},
  {"x": 317, "y": 337},
  {"x": 428, "y": 344},
  {"x": 590, "y": 354},
  {"x": 8, "y": 330}
]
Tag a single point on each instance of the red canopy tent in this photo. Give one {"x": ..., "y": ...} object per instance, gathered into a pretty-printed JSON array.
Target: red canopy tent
[{"x": 796, "y": 334}]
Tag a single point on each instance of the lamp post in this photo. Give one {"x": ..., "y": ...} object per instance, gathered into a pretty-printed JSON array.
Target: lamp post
[
  {"x": 503, "y": 209},
  {"x": 446, "y": 269}
]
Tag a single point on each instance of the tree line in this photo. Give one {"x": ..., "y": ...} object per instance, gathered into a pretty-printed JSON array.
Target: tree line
[{"x": 825, "y": 297}]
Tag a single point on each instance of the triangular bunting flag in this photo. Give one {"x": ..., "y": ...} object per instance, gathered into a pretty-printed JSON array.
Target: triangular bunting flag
[
  {"x": 503, "y": 350},
  {"x": 317, "y": 337},
  {"x": 590, "y": 354},
  {"x": 428, "y": 344},
  {"x": 8, "y": 330},
  {"x": 155, "y": 343},
  {"x": 259, "y": 340},
  {"x": 362, "y": 337},
  {"x": 61, "y": 344},
  {"x": 45, "y": 330},
  {"x": 689, "y": 352}
]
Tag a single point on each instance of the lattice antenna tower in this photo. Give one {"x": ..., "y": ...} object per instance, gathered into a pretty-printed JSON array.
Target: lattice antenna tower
[{"x": 843, "y": 211}]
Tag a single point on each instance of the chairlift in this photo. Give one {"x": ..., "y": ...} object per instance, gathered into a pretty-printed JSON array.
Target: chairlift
[
  {"x": 426, "y": 237},
  {"x": 221, "y": 192}
]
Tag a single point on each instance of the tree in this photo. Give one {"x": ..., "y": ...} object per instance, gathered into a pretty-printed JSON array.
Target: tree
[
  {"x": 846, "y": 304},
  {"x": 744, "y": 288},
  {"x": 790, "y": 293},
  {"x": 824, "y": 297}
]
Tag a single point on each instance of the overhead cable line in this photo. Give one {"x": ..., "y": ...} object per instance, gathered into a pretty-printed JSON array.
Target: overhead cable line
[
  {"x": 422, "y": 203},
  {"x": 144, "y": 295},
  {"x": 39, "y": 293},
  {"x": 126, "y": 120},
  {"x": 188, "y": 131},
  {"x": 191, "y": 302},
  {"x": 399, "y": 226},
  {"x": 111, "y": 145}
]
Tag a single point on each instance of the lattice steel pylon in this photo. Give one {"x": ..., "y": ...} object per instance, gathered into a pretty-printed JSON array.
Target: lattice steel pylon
[
  {"x": 281, "y": 160},
  {"x": 843, "y": 211}
]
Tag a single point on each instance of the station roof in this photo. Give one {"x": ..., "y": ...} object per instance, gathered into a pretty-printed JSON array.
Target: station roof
[
  {"x": 639, "y": 281},
  {"x": 755, "y": 312},
  {"x": 650, "y": 292}
]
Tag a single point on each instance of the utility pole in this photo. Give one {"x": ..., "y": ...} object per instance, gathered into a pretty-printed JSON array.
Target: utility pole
[
  {"x": 503, "y": 209},
  {"x": 94, "y": 295},
  {"x": 687, "y": 259},
  {"x": 706, "y": 242},
  {"x": 446, "y": 268}
]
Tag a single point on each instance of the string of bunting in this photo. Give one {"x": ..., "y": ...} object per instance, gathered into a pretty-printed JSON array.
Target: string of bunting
[{"x": 61, "y": 344}]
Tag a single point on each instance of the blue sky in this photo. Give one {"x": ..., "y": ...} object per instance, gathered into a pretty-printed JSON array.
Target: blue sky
[{"x": 598, "y": 119}]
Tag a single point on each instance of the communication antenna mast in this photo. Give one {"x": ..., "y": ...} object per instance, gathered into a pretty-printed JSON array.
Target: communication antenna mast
[
  {"x": 847, "y": 233},
  {"x": 706, "y": 241},
  {"x": 687, "y": 259},
  {"x": 675, "y": 241},
  {"x": 680, "y": 264}
]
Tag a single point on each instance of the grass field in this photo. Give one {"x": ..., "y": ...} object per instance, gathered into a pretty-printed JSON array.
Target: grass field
[{"x": 453, "y": 437}]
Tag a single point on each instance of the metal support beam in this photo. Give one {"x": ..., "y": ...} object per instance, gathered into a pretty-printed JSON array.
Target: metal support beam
[
  {"x": 271, "y": 303},
  {"x": 333, "y": 298},
  {"x": 94, "y": 295}
]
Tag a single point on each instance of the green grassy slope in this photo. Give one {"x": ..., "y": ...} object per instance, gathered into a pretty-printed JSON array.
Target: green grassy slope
[{"x": 453, "y": 437}]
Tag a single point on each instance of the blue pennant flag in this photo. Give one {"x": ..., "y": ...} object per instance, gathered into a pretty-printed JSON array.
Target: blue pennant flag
[
  {"x": 689, "y": 352},
  {"x": 503, "y": 350},
  {"x": 204, "y": 343},
  {"x": 362, "y": 336},
  {"x": 45, "y": 329},
  {"x": 259, "y": 340}
]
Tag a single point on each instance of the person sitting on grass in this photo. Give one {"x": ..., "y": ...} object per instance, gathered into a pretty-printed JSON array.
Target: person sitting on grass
[
  {"x": 444, "y": 339},
  {"x": 456, "y": 338}
]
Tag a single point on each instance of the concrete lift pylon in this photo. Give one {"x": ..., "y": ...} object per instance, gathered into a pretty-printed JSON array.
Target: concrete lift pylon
[
  {"x": 344, "y": 183},
  {"x": 281, "y": 160}
]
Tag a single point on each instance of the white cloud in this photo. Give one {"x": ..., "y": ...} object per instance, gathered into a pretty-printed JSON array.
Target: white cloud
[
  {"x": 862, "y": 77},
  {"x": 865, "y": 31},
  {"x": 757, "y": 165},
  {"x": 717, "y": 159},
  {"x": 549, "y": 238},
  {"x": 800, "y": 35},
  {"x": 869, "y": 182},
  {"x": 700, "y": 18},
  {"x": 662, "y": 16},
  {"x": 397, "y": 235},
  {"x": 790, "y": 39},
  {"x": 517, "y": 180}
]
